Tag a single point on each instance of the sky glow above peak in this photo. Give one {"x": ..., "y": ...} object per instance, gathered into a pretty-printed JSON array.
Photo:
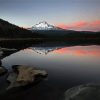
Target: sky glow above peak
[{"x": 69, "y": 14}]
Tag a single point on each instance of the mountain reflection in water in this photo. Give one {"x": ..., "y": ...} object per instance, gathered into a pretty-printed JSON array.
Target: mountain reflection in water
[
  {"x": 66, "y": 67},
  {"x": 76, "y": 50}
]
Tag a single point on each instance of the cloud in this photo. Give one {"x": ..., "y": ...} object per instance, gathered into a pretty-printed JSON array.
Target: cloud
[
  {"x": 73, "y": 25},
  {"x": 95, "y": 23},
  {"x": 78, "y": 24},
  {"x": 82, "y": 25}
]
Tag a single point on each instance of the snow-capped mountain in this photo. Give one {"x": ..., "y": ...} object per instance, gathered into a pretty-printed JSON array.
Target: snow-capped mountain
[{"x": 44, "y": 26}]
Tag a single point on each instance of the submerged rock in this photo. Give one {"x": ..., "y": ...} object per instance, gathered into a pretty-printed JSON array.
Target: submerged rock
[
  {"x": 83, "y": 92},
  {"x": 1, "y": 53},
  {"x": 2, "y": 70},
  {"x": 23, "y": 75}
]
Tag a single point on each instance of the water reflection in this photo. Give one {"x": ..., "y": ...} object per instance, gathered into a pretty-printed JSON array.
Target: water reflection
[
  {"x": 77, "y": 63},
  {"x": 75, "y": 50},
  {"x": 80, "y": 50},
  {"x": 66, "y": 67}
]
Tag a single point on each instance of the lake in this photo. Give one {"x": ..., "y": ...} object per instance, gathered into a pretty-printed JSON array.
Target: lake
[{"x": 67, "y": 66}]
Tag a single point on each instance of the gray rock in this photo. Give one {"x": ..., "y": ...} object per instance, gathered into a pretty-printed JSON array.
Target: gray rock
[
  {"x": 1, "y": 53},
  {"x": 2, "y": 70},
  {"x": 23, "y": 75},
  {"x": 83, "y": 92}
]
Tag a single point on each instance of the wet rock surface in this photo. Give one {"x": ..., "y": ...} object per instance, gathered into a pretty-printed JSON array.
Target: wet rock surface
[
  {"x": 3, "y": 53},
  {"x": 23, "y": 75},
  {"x": 20, "y": 75},
  {"x": 83, "y": 92},
  {"x": 2, "y": 70}
]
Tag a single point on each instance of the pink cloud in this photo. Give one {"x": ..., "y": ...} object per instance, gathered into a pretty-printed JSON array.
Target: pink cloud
[
  {"x": 79, "y": 24},
  {"x": 73, "y": 25},
  {"x": 82, "y": 25},
  {"x": 95, "y": 23}
]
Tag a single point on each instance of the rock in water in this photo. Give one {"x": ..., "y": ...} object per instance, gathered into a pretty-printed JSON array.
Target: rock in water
[
  {"x": 2, "y": 70},
  {"x": 23, "y": 75},
  {"x": 1, "y": 54},
  {"x": 83, "y": 92}
]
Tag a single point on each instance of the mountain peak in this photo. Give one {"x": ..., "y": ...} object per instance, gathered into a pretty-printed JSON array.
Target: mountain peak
[
  {"x": 44, "y": 22},
  {"x": 44, "y": 26}
]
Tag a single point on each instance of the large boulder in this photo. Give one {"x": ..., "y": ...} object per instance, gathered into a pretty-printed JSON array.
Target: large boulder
[
  {"x": 23, "y": 75},
  {"x": 83, "y": 92}
]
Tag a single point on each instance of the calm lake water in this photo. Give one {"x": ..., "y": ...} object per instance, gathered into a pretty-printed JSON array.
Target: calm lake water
[{"x": 66, "y": 67}]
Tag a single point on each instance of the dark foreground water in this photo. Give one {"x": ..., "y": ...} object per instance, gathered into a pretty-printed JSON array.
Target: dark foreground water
[{"x": 66, "y": 67}]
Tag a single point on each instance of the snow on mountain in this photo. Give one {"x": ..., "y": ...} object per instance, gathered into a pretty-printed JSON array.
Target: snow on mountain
[{"x": 44, "y": 26}]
